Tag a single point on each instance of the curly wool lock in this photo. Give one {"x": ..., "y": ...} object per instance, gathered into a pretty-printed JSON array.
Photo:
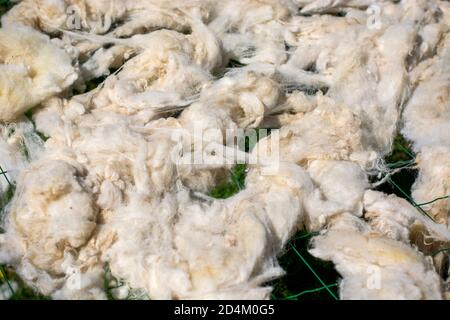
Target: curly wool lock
[{"x": 102, "y": 189}]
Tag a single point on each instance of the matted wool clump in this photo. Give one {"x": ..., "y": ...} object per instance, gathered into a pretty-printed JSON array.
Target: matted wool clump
[{"x": 107, "y": 178}]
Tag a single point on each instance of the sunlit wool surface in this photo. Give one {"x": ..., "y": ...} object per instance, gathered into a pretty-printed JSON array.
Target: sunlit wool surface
[{"x": 102, "y": 190}]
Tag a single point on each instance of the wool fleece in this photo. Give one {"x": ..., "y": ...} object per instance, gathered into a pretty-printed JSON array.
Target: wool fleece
[{"x": 118, "y": 118}]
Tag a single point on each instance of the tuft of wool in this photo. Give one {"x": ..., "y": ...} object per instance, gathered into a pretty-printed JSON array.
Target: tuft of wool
[
  {"x": 32, "y": 69},
  {"x": 374, "y": 266},
  {"x": 426, "y": 123},
  {"x": 116, "y": 184},
  {"x": 19, "y": 145}
]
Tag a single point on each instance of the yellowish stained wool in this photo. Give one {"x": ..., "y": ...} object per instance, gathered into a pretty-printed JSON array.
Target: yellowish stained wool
[
  {"x": 373, "y": 266},
  {"x": 114, "y": 185},
  {"x": 32, "y": 69}
]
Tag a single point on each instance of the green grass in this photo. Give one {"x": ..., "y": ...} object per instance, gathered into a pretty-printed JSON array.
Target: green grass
[
  {"x": 4, "y": 201},
  {"x": 29, "y": 115},
  {"x": 110, "y": 283},
  {"x": 23, "y": 292},
  {"x": 233, "y": 186},
  {"x": 401, "y": 150},
  {"x": 8, "y": 276},
  {"x": 300, "y": 282}
]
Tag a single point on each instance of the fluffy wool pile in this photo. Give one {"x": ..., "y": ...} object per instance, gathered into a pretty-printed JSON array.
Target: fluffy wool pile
[{"x": 109, "y": 185}]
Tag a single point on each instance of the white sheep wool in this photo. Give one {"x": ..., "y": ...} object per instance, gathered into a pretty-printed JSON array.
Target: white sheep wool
[{"x": 111, "y": 192}]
